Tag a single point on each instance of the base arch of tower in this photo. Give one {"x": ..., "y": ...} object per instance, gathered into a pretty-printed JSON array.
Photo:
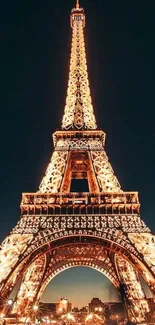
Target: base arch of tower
[
  {"x": 114, "y": 241},
  {"x": 101, "y": 254},
  {"x": 107, "y": 243}
]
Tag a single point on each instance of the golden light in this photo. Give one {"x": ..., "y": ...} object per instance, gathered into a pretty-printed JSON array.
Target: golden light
[
  {"x": 90, "y": 316},
  {"x": 60, "y": 309},
  {"x": 82, "y": 114},
  {"x": 70, "y": 316},
  {"x": 10, "y": 302},
  {"x": 2, "y": 316},
  {"x": 35, "y": 307},
  {"x": 98, "y": 317},
  {"x": 98, "y": 309}
]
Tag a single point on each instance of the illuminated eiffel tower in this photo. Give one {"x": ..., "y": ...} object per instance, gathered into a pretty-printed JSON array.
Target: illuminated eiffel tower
[{"x": 59, "y": 229}]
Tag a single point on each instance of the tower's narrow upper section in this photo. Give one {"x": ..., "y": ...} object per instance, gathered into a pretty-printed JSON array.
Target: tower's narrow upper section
[{"x": 78, "y": 110}]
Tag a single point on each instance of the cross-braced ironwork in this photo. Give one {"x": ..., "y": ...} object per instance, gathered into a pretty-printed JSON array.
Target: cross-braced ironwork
[{"x": 59, "y": 229}]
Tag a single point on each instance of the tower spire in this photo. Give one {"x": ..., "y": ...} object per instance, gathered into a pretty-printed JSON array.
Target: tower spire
[
  {"x": 78, "y": 109},
  {"x": 77, "y": 4}
]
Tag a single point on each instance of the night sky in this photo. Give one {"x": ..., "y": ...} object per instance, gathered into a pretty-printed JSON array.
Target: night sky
[
  {"x": 82, "y": 282},
  {"x": 34, "y": 59}
]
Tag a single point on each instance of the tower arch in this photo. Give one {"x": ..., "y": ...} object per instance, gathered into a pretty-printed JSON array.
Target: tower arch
[{"x": 69, "y": 252}]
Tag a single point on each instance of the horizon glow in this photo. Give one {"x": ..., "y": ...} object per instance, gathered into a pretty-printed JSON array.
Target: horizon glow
[{"x": 79, "y": 285}]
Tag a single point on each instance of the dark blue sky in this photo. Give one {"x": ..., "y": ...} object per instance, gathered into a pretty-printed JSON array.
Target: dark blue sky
[{"x": 34, "y": 59}]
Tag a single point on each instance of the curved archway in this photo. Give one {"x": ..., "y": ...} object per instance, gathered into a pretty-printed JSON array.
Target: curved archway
[
  {"x": 57, "y": 259},
  {"x": 69, "y": 252},
  {"x": 114, "y": 246},
  {"x": 94, "y": 256}
]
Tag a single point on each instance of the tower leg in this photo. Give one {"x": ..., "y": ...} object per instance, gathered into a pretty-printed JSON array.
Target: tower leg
[
  {"x": 26, "y": 295},
  {"x": 131, "y": 288},
  {"x": 52, "y": 180},
  {"x": 145, "y": 244},
  {"x": 11, "y": 249},
  {"x": 104, "y": 172}
]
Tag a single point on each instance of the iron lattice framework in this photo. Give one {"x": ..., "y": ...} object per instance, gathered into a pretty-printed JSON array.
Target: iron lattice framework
[{"x": 59, "y": 229}]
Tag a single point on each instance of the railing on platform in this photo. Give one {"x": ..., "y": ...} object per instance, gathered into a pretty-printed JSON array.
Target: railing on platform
[{"x": 79, "y": 198}]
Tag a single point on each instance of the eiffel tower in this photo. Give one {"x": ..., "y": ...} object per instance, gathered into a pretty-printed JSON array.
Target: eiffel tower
[{"x": 59, "y": 229}]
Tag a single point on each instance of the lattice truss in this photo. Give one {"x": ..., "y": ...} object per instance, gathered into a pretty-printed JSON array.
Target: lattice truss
[
  {"x": 103, "y": 171},
  {"x": 39, "y": 273},
  {"x": 94, "y": 259},
  {"x": 82, "y": 254},
  {"x": 11, "y": 248},
  {"x": 105, "y": 175},
  {"x": 78, "y": 110},
  {"x": 29, "y": 286},
  {"x": 55, "y": 170},
  {"x": 44, "y": 268},
  {"x": 135, "y": 298},
  {"x": 145, "y": 244}
]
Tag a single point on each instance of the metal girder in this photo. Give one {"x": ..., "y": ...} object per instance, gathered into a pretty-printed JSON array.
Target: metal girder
[
  {"x": 53, "y": 177},
  {"x": 78, "y": 112},
  {"x": 11, "y": 249},
  {"x": 145, "y": 244},
  {"x": 94, "y": 165},
  {"x": 133, "y": 292},
  {"x": 27, "y": 293},
  {"x": 38, "y": 274}
]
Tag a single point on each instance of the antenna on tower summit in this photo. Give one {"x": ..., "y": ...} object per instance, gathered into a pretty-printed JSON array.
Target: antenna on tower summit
[{"x": 77, "y": 4}]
